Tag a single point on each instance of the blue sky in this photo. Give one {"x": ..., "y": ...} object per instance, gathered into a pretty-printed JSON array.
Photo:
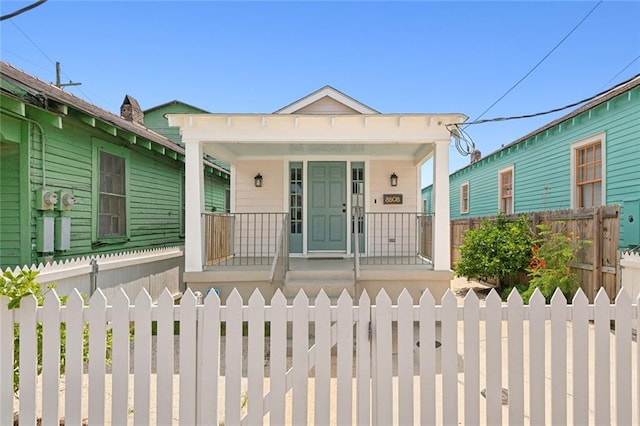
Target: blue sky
[{"x": 420, "y": 56}]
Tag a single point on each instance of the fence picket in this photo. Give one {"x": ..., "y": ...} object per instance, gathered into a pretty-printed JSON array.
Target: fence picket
[
  {"x": 164, "y": 359},
  {"x": 28, "y": 359},
  {"x": 142, "y": 359},
  {"x": 493, "y": 389},
  {"x": 382, "y": 343},
  {"x": 6, "y": 362},
  {"x": 363, "y": 363},
  {"x": 255, "y": 364},
  {"x": 449, "y": 351},
  {"x": 516, "y": 358},
  {"x": 427, "y": 359},
  {"x": 120, "y": 361},
  {"x": 405, "y": 358},
  {"x": 73, "y": 362},
  {"x": 623, "y": 357},
  {"x": 580, "y": 329},
  {"x": 602, "y": 359},
  {"x": 50, "y": 358},
  {"x": 188, "y": 358},
  {"x": 558, "y": 358},
  {"x": 299, "y": 360},
  {"x": 471, "y": 358},
  {"x": 97, "y": 319},
  {"x": 537, "y": 351},
  {"x": 278, "y": 359},
  {"x": 345, "y": 360},
  {"x": 233, "y": 359},
  {"x": 322, "y": 407}
]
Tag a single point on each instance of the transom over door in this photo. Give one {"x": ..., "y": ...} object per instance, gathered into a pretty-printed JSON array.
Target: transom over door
[{"x": 327, "y": 217}]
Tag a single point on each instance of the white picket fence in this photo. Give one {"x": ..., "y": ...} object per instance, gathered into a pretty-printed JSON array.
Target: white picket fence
[
  {"x": 325, "y": 364},
  {"x": 630, "y": 273},
  {"x": 153, "y": 270}
]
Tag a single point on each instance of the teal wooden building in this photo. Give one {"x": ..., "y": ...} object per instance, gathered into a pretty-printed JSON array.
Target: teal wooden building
[
  {"x": 77, "y": 180},
  {"x": 589, "y": 157}
]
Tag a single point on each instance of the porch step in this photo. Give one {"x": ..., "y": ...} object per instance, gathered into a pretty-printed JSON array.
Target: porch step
[{"x": 333, "y": 284}]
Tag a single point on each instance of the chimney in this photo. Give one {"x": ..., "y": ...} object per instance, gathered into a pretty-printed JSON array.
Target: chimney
[
  {"x": 476, "y": 155},
  {"x": 130, "y": 110}
]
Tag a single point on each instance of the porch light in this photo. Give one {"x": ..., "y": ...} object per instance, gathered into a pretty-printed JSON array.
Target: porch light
[
  {"x": 394, "y": 179},
  {"x": 258, "y": 180}
]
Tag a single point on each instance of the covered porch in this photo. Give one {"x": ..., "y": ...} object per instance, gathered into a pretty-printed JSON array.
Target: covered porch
[{"x": 319, "y": 200}]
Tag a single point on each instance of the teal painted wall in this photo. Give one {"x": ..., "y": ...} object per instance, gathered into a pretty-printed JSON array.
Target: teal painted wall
[
  {"x": 427, "y": 195},
  {"x": 542, "y": 177},
  {"x": 154, "y": 119}
]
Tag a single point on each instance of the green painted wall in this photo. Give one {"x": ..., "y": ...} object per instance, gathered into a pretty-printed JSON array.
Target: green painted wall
[
  {"x": 427, "y": 195},
  {"x": 154, "y": 182},
  {"x": 542, "y": 179}
]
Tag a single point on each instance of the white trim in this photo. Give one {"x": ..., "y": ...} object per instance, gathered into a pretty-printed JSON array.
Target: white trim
[
  {"x": 330, "y": 92},
  {"x": 513, "y": 188},
  {"x": 602, "y": 137},
  {"x": 468, "y": 198}
]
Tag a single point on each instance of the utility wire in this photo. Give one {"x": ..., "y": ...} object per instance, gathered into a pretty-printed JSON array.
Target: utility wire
[
  {"x": 621, "y": 71},
  {"x": 47, "y": 56},
  {"x": 24, "y": 9},
  {"x": 539, "y": 62}
]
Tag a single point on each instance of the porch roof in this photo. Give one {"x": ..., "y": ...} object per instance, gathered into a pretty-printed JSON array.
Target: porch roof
[{"x": 234, "y": 137}]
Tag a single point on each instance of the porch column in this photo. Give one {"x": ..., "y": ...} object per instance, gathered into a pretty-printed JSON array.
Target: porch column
[
  {"x": 194, "y": 200},
  {"x": 441, "y": 223}
]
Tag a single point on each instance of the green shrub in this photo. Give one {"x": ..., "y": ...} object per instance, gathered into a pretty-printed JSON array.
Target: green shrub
[{"x": 496, "y": 250}]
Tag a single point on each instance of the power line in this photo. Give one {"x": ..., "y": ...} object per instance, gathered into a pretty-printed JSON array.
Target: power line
[
  {"x": 539, "y": 62},
  {"x": 24, "y": 9},
  {"x": 621, "y": 71}
]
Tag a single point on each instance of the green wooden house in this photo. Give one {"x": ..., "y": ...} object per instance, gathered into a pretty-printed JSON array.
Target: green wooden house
[
  {"x": 76, "y": 180},
  {"x": 589, "y": 157},
  {"x": 216, "y": 194}
]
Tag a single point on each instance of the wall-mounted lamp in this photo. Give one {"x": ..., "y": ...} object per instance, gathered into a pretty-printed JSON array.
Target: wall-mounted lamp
[
  {"x": 258, "y": 180},
  {"x": 393, "y": 179}
]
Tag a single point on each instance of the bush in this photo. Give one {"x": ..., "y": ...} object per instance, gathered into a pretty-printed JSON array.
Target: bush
[{"x": 496, "y": 250}]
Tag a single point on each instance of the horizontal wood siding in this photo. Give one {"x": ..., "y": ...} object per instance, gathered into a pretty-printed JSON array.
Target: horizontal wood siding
[
  {"x": 10, "y": 252},
  {"x": 379, "y": 185},
  {"x": 542, "y": 177},
  {"x": 269, "y": 198},
  {"x": 214, "y": 190}
]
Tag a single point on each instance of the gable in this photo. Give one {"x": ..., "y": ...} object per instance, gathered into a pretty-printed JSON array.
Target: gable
[{"x": 326, "y": 101}]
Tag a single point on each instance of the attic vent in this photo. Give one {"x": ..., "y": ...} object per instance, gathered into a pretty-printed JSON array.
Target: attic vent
[{"x": 130, "y": 110}]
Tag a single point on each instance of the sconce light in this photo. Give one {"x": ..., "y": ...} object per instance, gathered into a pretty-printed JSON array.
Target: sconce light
[
  {"x": 394, "y": 179},
  {"x": 258, "y": 180}
]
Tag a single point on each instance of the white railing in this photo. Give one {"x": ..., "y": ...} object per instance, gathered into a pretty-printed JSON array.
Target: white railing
[
  {"x": 153, "y": 270},
  {"x": 560, "y": 364}
]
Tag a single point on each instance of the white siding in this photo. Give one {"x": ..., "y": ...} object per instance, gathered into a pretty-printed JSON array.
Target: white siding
[
  {"x": 380, "y": 171},
  {"x": 269, "y": 198}
]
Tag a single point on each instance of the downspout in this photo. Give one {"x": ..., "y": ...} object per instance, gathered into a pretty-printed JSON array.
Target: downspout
[{"x": 42, "y": 140}]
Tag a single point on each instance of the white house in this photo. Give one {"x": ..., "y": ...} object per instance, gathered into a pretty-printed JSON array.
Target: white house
[{"x": 308, "y": 181}]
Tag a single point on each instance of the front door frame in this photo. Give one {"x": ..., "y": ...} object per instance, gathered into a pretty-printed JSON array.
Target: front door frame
[{"x": 305, "y": 197}]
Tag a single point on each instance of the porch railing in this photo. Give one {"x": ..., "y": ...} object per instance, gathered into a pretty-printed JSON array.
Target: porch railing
[
  {"x": 243, "y": 239},
  {"x": 280, "y": 263},
  {"x": 398, "y": 238}
]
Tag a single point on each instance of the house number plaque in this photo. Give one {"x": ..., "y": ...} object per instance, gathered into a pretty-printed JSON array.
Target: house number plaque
[{"x": 392, "y": 199}]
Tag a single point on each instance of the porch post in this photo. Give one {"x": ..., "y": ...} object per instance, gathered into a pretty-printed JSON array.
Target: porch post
[
  {"x": 441, "y": 223},
  {"x": 194, "y": 200}
]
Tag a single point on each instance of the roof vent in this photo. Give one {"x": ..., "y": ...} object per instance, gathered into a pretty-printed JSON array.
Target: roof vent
[{"x": 130, "y": 110}]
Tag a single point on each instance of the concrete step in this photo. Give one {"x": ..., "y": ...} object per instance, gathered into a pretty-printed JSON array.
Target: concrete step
[
  {"x": 332, "y": 287},
  {"x": 326, "y": 275}
]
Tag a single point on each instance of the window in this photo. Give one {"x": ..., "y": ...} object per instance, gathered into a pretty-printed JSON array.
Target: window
[
  {"x": 295, "y": 195},
  {"x": 588, "y": 173},
  {"x": 112, "y": 220},
  {"x": 357, "y": 195},
  {"x": 506, "y": 190},
  {"x": 464, "y": 198}
]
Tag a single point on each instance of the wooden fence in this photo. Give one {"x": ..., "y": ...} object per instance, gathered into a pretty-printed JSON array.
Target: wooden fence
[
  {"x": 598, "y": 263},
  {"x": 480, "y": 362}
]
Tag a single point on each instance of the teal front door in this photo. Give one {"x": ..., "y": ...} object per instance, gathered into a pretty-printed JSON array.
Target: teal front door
[{"x": 327, "y": 212}]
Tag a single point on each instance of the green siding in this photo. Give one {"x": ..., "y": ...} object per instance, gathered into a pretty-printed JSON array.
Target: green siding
[
  {"x": 542, "y": 177},
  {"x": 427, "y": 195},
  {"x": 10, "y": 254}
]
